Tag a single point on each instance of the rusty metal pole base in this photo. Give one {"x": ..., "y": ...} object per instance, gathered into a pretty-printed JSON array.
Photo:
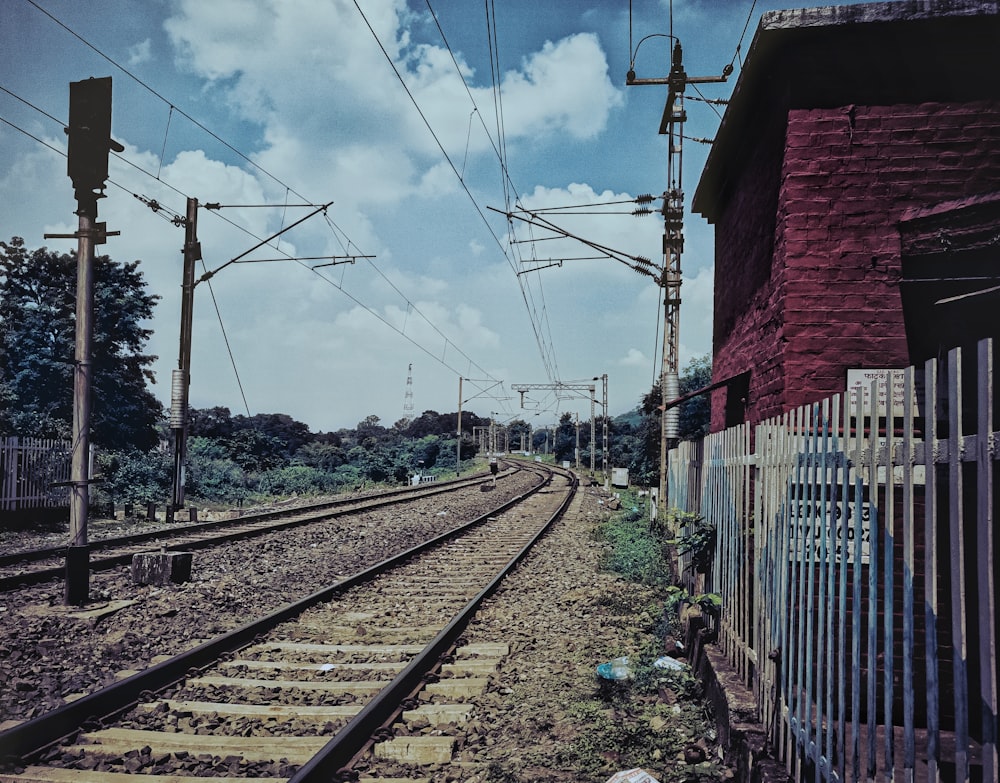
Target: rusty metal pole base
[{"x": 77, "y": 575}]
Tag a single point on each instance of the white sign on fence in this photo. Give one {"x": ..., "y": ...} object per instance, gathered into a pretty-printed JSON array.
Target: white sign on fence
[
  {"x": 822, "y": 517},
  {"x": 860, "y": 382}
]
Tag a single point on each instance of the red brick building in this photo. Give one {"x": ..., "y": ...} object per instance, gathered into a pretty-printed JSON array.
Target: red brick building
[{"x": 854, "y": 186}]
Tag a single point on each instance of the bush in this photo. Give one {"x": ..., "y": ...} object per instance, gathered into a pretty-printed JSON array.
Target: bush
[
  {"x": 133, "y": 477},
  {"x": 297, "y": 480},
  {"x": 635, "y": 552}
]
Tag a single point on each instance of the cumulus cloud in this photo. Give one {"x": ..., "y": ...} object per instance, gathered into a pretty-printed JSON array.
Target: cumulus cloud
[
  {"x": 634, "y": 358},
  {"x": 140, "y": 52}
]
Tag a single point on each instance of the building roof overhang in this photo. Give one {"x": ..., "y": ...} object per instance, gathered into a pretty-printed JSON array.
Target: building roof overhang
[{"x": 871, "y": 54}]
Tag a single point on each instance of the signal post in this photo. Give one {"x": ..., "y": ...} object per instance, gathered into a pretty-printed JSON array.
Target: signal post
[{"x": 90, "y": 143}]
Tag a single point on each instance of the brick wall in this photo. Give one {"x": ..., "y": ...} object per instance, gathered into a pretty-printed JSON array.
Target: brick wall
[{"x": 831, "y": 300}]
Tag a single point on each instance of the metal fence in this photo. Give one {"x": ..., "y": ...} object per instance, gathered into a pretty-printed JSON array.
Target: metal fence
[
  {"x": 29, "y": 470},
  {"x": 855, "y": 558}
]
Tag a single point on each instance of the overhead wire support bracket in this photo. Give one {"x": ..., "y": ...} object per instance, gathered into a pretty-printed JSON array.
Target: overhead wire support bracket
[
  {"x": 539, "y": 268},
  {"x": 639, "y": 264},
  {"x": 210, "y": 274}
]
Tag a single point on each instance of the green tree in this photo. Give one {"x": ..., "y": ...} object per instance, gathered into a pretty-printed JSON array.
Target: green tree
[
  {"x": 253, "y": 450},
  {"x": 134, "y": 476},
  {"x": 694, "y": 417},
  {"x": 565, "y": 442},
  {"x": 322, "y": 456},
  {"x": 37, "y": 338}
]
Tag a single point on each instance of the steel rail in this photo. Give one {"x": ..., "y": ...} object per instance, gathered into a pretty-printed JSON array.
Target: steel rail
[
  {"x": 355, "y": 736},
  {"x": 43, "y": 553},
  {"x": 327, "y": 510},
  {"x": 31, "y": 737}
]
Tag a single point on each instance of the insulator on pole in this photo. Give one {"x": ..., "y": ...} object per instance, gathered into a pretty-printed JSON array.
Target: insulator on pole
[
  {"x": 178, "y": 399},
  {"x": 672, "y": 385},
  {"x": 645, "y": 198},
  {"x": 641, "y": 211}
]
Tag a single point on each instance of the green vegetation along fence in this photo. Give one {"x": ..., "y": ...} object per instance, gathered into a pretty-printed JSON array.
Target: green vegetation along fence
[
  {"x": 855, "y": 555},
  {"x": 29, "y": 469}
]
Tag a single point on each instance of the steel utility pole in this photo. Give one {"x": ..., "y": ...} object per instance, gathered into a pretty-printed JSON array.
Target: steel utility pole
[
  {"x": 90, "y": 143},
  {"x": 181, "y": 377},
  {"x": 672, "y": 125}
]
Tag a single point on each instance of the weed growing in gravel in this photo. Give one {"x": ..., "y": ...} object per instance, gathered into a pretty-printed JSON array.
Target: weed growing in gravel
[
  {"x": 656, "y": 719},
  {"x": 635, "y": 551}
]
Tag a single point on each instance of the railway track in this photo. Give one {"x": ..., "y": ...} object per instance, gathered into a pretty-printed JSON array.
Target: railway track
[
  {"x": 35, "y": 566},
  {"x": 313, "y": 688}
]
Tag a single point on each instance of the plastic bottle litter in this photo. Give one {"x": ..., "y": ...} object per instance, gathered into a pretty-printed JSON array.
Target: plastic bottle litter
[
  {"x": 618, "y": 669},
  {"x": 666, "y": 662}
]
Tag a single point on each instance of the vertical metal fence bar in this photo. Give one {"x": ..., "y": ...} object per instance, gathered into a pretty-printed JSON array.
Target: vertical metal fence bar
[
  {"x": 985, "y": 566},
  {"x": 798, "y": 600},
  {"x": 779, "y": 524},
  {"x": 909, "y": 638},
  {"x": 872, "y": 625},
  {"x": 809, "y": 553},
  {"x": 824, "y": 662},
  {"x": 957, "y": 550},
  {"x": 737, "y": 642},
  {"x": 843, "y": 483},
  {"x": 793, "y": 622},
  {"x": 888, "y": 579},
  {"x": 741, "y": 474},
  {"x": 757, "y": 514},
  {"x": 860, "y": 510},
  {"x": 788, "y": 570},
  {"x": 831, "y": 558},
  {"x": 933, "y": 752}
]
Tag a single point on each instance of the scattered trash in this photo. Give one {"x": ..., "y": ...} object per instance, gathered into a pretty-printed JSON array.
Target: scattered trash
[
  {"x": 666, "y": 662},
  {"x": 327, "y": 667},
  {"x": 632, "y": 776},
  {"x": 442, "y": 513},
  {"x": 614, "y": 670}
]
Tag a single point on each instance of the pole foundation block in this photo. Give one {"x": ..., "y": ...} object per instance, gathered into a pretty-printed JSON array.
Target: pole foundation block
[{"x": 161, "y": 568}]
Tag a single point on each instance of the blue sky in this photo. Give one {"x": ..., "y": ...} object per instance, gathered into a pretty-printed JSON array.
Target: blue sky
[{"x": 276, "y": 102}]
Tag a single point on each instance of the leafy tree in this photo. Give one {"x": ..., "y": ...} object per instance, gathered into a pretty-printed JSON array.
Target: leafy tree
[
  {"x": 211, "y": 474},
  {"x": 373, "y": 464},
  {"x": 290, "y": 433},
  {"x": 296, "y": 480},
  {"x": 693, "y": 422},
  {"x": 134, "y": 476},
  {"x": 214, "y": 422},
  {"x": 565, "y": 443},
  {"x": 322, "y": 456},
  {"x": 425, "y": 452},
  {"x": 253, "y": 450},
  {"x": 517, "y": 430},
  {"x": 694, "y": 417},
  {"x": 37, "y": 339}
]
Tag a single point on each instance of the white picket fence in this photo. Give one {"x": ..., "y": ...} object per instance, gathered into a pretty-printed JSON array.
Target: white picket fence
[
  {"x": 856, "y": 562},
  {"x": 30, "y": 471}
]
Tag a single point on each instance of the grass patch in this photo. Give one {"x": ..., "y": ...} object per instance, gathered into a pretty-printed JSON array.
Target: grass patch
[{"x": 635, "y": 551}]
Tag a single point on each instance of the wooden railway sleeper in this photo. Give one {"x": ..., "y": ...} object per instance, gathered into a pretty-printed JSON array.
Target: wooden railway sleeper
[{"x": 32, "y": 737}]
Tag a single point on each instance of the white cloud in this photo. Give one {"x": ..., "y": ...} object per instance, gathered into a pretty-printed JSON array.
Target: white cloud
[
  {"x": 140, "y": 52},
  {"x": 563, "y": 88},
  {"x": 634, "y": 358}
]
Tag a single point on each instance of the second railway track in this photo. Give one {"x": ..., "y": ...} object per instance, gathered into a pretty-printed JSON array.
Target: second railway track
[
  {"x": 35, "y": 566},
  {"x": 312, "y": 685}
]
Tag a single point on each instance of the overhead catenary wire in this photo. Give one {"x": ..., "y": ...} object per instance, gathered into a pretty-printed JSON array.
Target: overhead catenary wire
[
  {"x": 451, "y": 163},
  {"x": 172, "y": 108}
]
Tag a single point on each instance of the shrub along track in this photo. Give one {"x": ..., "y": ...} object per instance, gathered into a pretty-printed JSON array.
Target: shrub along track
[
  {"x": 34, "y": 566},
  {"x": 278, "y": 704}
]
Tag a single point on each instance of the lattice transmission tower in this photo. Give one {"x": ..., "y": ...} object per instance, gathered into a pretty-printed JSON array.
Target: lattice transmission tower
[{"x": 408, "y": 398}]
